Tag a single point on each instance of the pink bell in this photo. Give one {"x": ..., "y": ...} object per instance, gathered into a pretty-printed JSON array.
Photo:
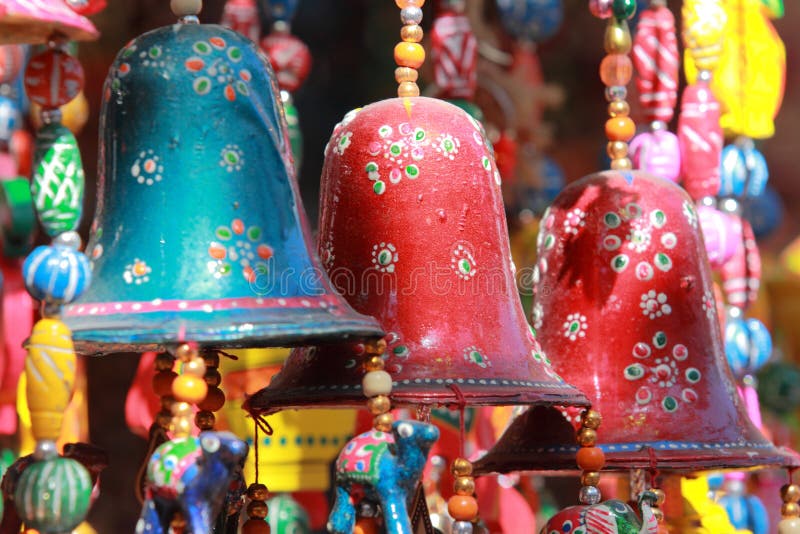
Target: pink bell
[
  {"x": 626, "y": 292},
  {"x": 413, "y": 231},
  {"x": 35, "y": 21}
]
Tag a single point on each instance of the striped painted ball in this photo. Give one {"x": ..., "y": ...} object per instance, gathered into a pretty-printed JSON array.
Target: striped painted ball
[
  {"x": 53, "y": 495},
  {"x": 56, "y": 274}
]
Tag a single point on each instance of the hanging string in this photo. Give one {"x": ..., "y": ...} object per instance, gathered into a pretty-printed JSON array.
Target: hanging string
[
  {"x": 462, "y": 406},
  {"x": 256, "y": 445},
  {"x": 651, "y": 453}
]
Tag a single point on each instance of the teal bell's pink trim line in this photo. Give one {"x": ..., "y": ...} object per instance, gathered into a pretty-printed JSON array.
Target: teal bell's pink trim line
[{"x": 208, "y": 306}]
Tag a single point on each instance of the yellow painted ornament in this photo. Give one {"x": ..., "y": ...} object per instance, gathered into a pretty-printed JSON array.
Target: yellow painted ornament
[
  {"x": 703, "y": 27},
  {"x": 749, "y": 79},
  {"x": 49, "y": 376},
  {"x": 701, "y": 514}
]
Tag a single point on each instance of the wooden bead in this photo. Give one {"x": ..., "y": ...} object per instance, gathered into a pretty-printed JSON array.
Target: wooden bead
[
  {"x": 181, "y": 426},
  {"x": 591, "y": 458},
  {"x": 660, "y": 496},
  {"x": 409, "y": 55},
  {"x": 617, "y": 149},
  {"x": 619, "y": 107},
  {"x": 617, "y": 39},
  {"x": 590, "y": 478},
  {"x": 213, "y": 401},
  {"x": 182, "y": 409},
  {"x": 409, "y": 3},
  {"x": 790, "y": 493},
  {"x": 407, "y": 90},
  {"x": 461, "y": 467},
  {"x": 213, "y": 378},
  {"x": 257, "y": 492},
  {"x": 255, "y": 526},
  {"x": 411, "y": 33},
  {"x": 790, "y": 509},
  {"x": 379, "y": 404},
  {"x": 658, "y": 514},
  {"x": 616, "y": 69},
  {"x": 189, "y": 388},
  {"x": 211, "y": 359},
  {"x": 185, "y": 352},
  {"x": 162, "y": 382},
  {"x": 195, "y": 367},
  {"x": 406, "y": 74},
  {"x": 374, "y": 363},
  {"x": 164, "y": 362},
  {"x": 383, "y": 422},
  {"x": 622, "y": 164},
  {"x": 205, "y": 420},
  {"x": 591, "y": 419},
  {"x": 375, "y": 346},
  {"x": 257, "y": 509},
  {"x": 789, "y": 526},
  {"x": 464, "y": 486},
  {"x": 184, "y": 8},
  {"x": 587, "y": 437},
  {"x": 620, "y": 129},
  {"x": 376, "y": 383},
  {"x": 462, "y": 507},
  {"x": 366, "y": 525}
]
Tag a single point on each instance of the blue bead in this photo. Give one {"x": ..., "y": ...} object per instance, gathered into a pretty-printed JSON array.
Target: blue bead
[
  {"x": 531, "y": 20},
  {"x": 282, "y": 10},
  {"x": 56, "y": 274},
  {"x": 765, "y": 212},
  {"x": 760, "y": 345},
  {"x": 737, "y": 345},
  {"x": 733, "y": 172},
  {"x": 757, "y": 171}
]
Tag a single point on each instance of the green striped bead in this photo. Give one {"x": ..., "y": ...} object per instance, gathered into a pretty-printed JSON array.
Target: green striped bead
[{"x": 52, "y": 495}]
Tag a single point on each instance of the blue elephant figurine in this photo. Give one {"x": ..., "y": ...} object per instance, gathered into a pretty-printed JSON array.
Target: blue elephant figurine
[
  {"x": 609, "y": 517},
  {"x": 191, "y": 476},
  {"x": 387, "y": 467}
]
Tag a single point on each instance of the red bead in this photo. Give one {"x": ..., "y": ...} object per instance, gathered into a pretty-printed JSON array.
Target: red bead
[
  {"x": 215, "y": 399},
  {"x": 591, "y": 458},
  {"x": 463, "y": 507},
  {"x": 290, "y": 59},
  {"x": 616, "y": 69},
  {"x": 47, "y": 68},
  {"x": 162, "y": 383},
  {"x": 12, "y": 58}
]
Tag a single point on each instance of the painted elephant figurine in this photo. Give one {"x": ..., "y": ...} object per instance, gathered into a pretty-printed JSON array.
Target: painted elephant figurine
[
  {"x": 609, "y": 517},
  {"x": 192, "y": 476},
  {"x": 387, "y": 468}
]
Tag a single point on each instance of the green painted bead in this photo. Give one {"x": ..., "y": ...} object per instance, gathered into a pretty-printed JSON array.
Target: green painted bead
[
  {"x": 58, "y": 179},
  {"x": 52, "y": 496},
  {"x": 295, "y": 135},
  {"x": 624, "y": 9},
  {"x": 286, "y": 516}
]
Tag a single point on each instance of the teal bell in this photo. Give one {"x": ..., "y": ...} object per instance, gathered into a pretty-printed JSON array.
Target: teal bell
[{"x": 200, "y": 234}]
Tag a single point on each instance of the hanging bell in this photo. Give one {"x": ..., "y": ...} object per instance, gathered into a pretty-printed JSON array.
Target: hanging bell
[
  {"x": 199, "y": 232},
  {"x": 413, "y": 231},
  {"x": 624, "y": 284},
  {"x": 23, "y": 21}
]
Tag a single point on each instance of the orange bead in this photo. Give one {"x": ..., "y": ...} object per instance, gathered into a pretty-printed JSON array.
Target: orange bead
[
  {"x": 366, "y": 525},
  {"x": 188, "y": 388},
  {"x": 620, "y": 129},
  {"x": 162, "y": 382},
  {"x": 409, "y": 3},
  {"x": 409, "y": 55},
  {"x": 616, "y": 69},
  {"x": 255, "y": 526},
  {"x": 215, "y": 399},
  {"x": 591, "y": 458},
  {"x": 463, "y": 507}
]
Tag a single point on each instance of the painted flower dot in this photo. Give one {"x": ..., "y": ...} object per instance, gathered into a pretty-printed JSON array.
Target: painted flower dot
[
  {"x": 612, "y": 220},
  {"x": 619, "y": 262},
  {"x": 654, "y": 304},
  {"x": 693, "y": 375},
  {"x": 689, "y": 395},
  {"x": 611, "y": 242},
  {"x": 417, "y": 153},
  {"x": 658, "y": 218},
  {"x": 396, "y": 148},
  {"x": 395, "y": 176},
  {"x": 195, "y": 64},
  {"x": 575, "y": 326},
  {"x": 660, "y": 340},
  {"x": 643, "y": 395},
  {"x": 123, "y": 70},
  {"x": 487, "y": 164},
  {"x": 137, "y": 272},
  {"x": 412, "y": 171},
  {"x": 663, "y": 262},
  {"x": 201, "y": 48},
  {"x": 264, "y": 252},
  {"x": 669, "y": 240},
  {"x": 155, "y": 52},
  {"x": 235, "y": 54},
  {"x": 680, "y": 352},
  {"x": 669, "y": 404},
  {"x": 632, "y": 211},
  {"x": 401, "y": 351},
  {"x": 371, "y": 167},
  {"x": 419, "y": 135},
  {"x": 217, "y": 42},
  {"x": 641, "y": 350},
  {"x": 634, "y": 371},
  {"x": 549, "y": 241},
  {"x": 231, "y": 158},
  {"x": 385, "y": 131},
  {"x": 223, "y": 232},
  {"x": 242, "y": 88},
  {"x": 384, "y": 257},
  {"x": 202, "y": 85},
  {"x": 379, "y": 187},
  {"x": 245, "y": 75},
  {"x": 147, "y": 168},
  {"x": 463, "y": 262},
  {"x": 464, "y": 266},
  {"x": 254, "y": 233},
  {"x": 237, "y": 225},
  {"x": 473, "y": 355},
  {"x": 644, "y": 271}
]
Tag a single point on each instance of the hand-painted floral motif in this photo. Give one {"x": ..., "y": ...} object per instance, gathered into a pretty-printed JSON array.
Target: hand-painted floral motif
[
  {"x": 137, "y": 272},
  {"x": 575, "y": 220},
  {"x": 231, "y": 158},
  {"x": 147, "y": 168},
  {"x": 643, "y": 242},
  {"x": 384, "y": 257},
  {"x": 241, "y": 245},
  {"x": 659, "y": 369},
  {"x": 537, "y": 315},
  {"x": 447, "y": 145},
  {"x": 654, "y": 304},
  {"x": 326, "y": 254},
  {"x": 153, "y": 57},
  {"x": 575, "y": 326},
  {"x": 474, "y": 355},
  {"x": 362, "y": 455},
  {"x": 343, "y": 142},
  {"x": 395, "y": 156},
  {"x": 639, "y": 236},
  {"x": 463, "y": 262},
  {"x": 215, "y": 65}
]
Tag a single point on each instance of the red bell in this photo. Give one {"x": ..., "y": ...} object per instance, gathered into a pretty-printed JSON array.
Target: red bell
[
  {"x": 242, "y": 16},
  {"x": 625, "y": 289},
  {"x": 413, "y": 231}
]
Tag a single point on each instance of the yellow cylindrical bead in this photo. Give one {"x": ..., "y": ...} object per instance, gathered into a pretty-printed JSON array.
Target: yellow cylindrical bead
[
  {"x": 195, "y": 367},
  {"x": 379, "y": 404},
  {"x": 619, "y": 108},
  {"x": 461, "y": 467},
  {"x": 406, "y": 74},
  {"x": 409, "y": 55},
  {"x": 407, "y": 89},
  {"x": 49, "y": 376},
  {"x": 188, "y": 388},
  {"x": 590, "y": 478},
  {"x": 790, "y": 493},
  {"x": 182, "y": 409},
  {"x": 181, "y": 427},
  {"x": 617, "y": 149},
  {"x": 790, "y": 509},
  {"x": 374, "y": 363},
  {"x": 464, "y": 486},
  {"x": 617, "y": 39},
  {"x": 411, "y": 33},
  {"x": 587, "y": 437},
  {"x": 383, "y": 422},
  {"x": 622, "y": 164}
]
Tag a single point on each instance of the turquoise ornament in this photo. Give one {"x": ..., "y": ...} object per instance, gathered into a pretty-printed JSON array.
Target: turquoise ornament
[
  {"x": 53, "y": 495},
  {"x": 56, "y": 274},
  {"x": 200, "y": 233},
  {"x": 743, "y": 171},
  {"x": 287, "y": 516},
  {"x": 58, "y": 179}
]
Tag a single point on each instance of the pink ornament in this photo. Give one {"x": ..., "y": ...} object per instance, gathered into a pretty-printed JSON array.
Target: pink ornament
[
  {"x": 35, "y": 21},
  {"x": 53, "y": 78},
  {"x": 655, "y": 55},
  {"x": 454, "y": 50},
  {"x": 700, "y": 137},
  {"x": 242, "y": 16},
  {"x": 721, "y": 233},
  {"x": 12, "y": 58},
  {"x": 741, "y": 274},
  {"x": 290, "y": 59},
  {"x": 601, "y": 9},
  {"x": 657, "y": 153}
]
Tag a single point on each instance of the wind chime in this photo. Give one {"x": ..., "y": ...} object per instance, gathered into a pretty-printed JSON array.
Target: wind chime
[
  {"x": 661, "y": 367},
  {"x": 433, "y": 266}
]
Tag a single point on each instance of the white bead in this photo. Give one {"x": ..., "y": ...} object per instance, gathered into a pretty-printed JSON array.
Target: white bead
[
  {"x": 790, "y": 525},
  {"x": 377, "y": 383},
  {"x": 185, "y": 8}
]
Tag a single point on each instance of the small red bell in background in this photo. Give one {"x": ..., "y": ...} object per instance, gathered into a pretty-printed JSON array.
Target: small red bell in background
[
  {"x": 242, "y": 16},
  {"x": 290, "y": 59}
]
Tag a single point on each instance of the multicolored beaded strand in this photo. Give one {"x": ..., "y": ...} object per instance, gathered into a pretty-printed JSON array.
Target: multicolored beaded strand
[
  {"x": 257, "y": 510},
  {"x": 409, "y": 53},
  {"x": 790, "y": 510},
  {"x": 590, "y": 457}
]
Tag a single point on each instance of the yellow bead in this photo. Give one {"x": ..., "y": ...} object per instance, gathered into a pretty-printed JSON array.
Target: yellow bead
[
  {"x": 591, "y": 419},
  {"x": 195, "y": 367},
  {"x": 617, "y": 149},
  {"x": 185, "y": 352},
  {"x": 181, "y": 426},
  {"x": 189, "y": 388},
  {"x": 409, "y": 3},
  {"x": 619, "y": 108},
  {"x": 375, "y": 346},
  {"x": 660, "y": 496},
  {"x": 411, "y": 33},
  {"x": 383, "y": 422},
  {"x": 617, "y": 39},
  {"x": 376, "y": 383},
  {"x": 407, "y": 90},
  {"x": 590, "y": 478},
  {"x": 205, "y": 420},
  {"x": 182, "y": 409},
  {"x": 461, "y": 467},
  {"x": 623, "y": 164},
  {"x": 587, "y": 437},
  {"x": 379, "y": 404},
  {"x": 790, "y": 493},
  {"x": 790, "y": 509},
  {"x": 409, "y": 55},
  {"x": 50, "y": 376},
  {"x": 374, "y": 363},
  {"x": 406, "y": 74},
  {"x": 464, "y": 485}
]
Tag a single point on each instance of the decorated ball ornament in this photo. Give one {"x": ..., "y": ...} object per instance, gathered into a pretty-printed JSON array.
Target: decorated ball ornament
[
  {"x": 625, "y": 287},
  {"x": 57, "y": 273},
  {"x": 53, "y": 495},
  {"x": 748, "y": 345},
  {"x": 290, "y": 59},
  {"x": 743, "y": 171},
  {"x": 413, "y": 232},
  {"x": 53, "y": 64},
  {"x": 287, "y": 516}
]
